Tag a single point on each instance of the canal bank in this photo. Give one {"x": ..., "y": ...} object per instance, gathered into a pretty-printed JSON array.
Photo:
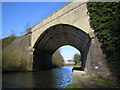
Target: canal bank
[
  {"x": 62, "y": 77},
  {"x": 81, "y": 80}
]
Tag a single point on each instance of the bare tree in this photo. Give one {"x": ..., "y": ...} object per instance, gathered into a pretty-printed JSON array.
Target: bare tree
[{"x": 27, "y": 27}]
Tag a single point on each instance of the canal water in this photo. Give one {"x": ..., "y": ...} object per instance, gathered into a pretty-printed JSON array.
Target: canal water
[{"x": 55, "y": 78}]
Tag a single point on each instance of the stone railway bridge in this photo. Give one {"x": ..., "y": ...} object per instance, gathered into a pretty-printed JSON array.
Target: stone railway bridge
[{"x": 68, "y": 26}]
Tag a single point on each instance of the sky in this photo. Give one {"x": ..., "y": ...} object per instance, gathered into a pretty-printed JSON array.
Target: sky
[
  {"x": 68, "y": 52},
  {"x": 17, "y": 16}
]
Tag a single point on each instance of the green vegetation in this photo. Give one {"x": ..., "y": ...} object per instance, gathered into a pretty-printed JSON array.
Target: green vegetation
[
  {"x": 13, "y": 59},
  {"x": 7, "y": 41},
  {"x": 75, "y": 65},
  {"x": 105, "y": 20},
  {"x": 104, "y": 83},
  {"x": 78, "y": 83},
  {"x": 73, "y": 85},
  {"x": 57, "y": 59},
  {"x": 77, "y": 58},
  {"x": 100, "y": 83}
]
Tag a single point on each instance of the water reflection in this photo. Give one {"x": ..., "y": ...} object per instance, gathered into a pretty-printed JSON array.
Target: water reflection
[
  {"x": 56, "y": 78},
  {"x": 43, "y": 79}
]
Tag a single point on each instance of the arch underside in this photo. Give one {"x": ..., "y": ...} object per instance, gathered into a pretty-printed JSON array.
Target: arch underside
[{"x": 55, "y": 37}]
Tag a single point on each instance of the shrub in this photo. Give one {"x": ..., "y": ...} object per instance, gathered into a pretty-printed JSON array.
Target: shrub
[
  {"x": 57, "y": 59},
  {"x": 14, "y": 59}
]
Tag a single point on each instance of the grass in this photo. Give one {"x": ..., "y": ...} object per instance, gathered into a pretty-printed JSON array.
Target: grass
[
  {"x": 77, "y": 83},
  {"x": 75, "y": 65},
  {"x": 98, "y": 82},
  {"x": 74, "y": 85},
  {"x": 104, "y": 83}
]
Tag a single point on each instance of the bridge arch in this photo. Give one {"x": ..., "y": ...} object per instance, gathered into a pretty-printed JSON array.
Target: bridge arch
[{"x": 53, "y": 38}]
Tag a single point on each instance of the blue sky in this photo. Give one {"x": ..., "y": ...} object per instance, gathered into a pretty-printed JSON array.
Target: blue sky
[
  {"x": 68, "y": 52},
  {"x": 18, "y": 16}
]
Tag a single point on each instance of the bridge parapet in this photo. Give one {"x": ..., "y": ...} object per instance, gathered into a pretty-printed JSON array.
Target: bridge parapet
[
  {"x": 74, "y": 14},
  {"x": 66, "y": 9}
]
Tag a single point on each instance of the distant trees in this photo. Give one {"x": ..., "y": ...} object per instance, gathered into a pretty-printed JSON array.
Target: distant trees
[
  {"x": 77, "y": 58},
  {"x": 57, "y": 59}
]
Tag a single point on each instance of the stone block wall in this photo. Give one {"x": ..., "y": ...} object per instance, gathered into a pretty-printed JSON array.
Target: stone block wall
[
  {"x": 96, "y": 64},
  {"x": 22, "y": 44}
]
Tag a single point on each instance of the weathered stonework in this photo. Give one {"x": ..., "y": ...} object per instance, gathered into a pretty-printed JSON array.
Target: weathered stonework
[
  {"x": 96, "y": 64},
  {"x": 22, "y": 44},
  {"x": 68, "y": 26},
  {"x": 74, "y": 14},
  {"x": 42, "y": 60}
]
